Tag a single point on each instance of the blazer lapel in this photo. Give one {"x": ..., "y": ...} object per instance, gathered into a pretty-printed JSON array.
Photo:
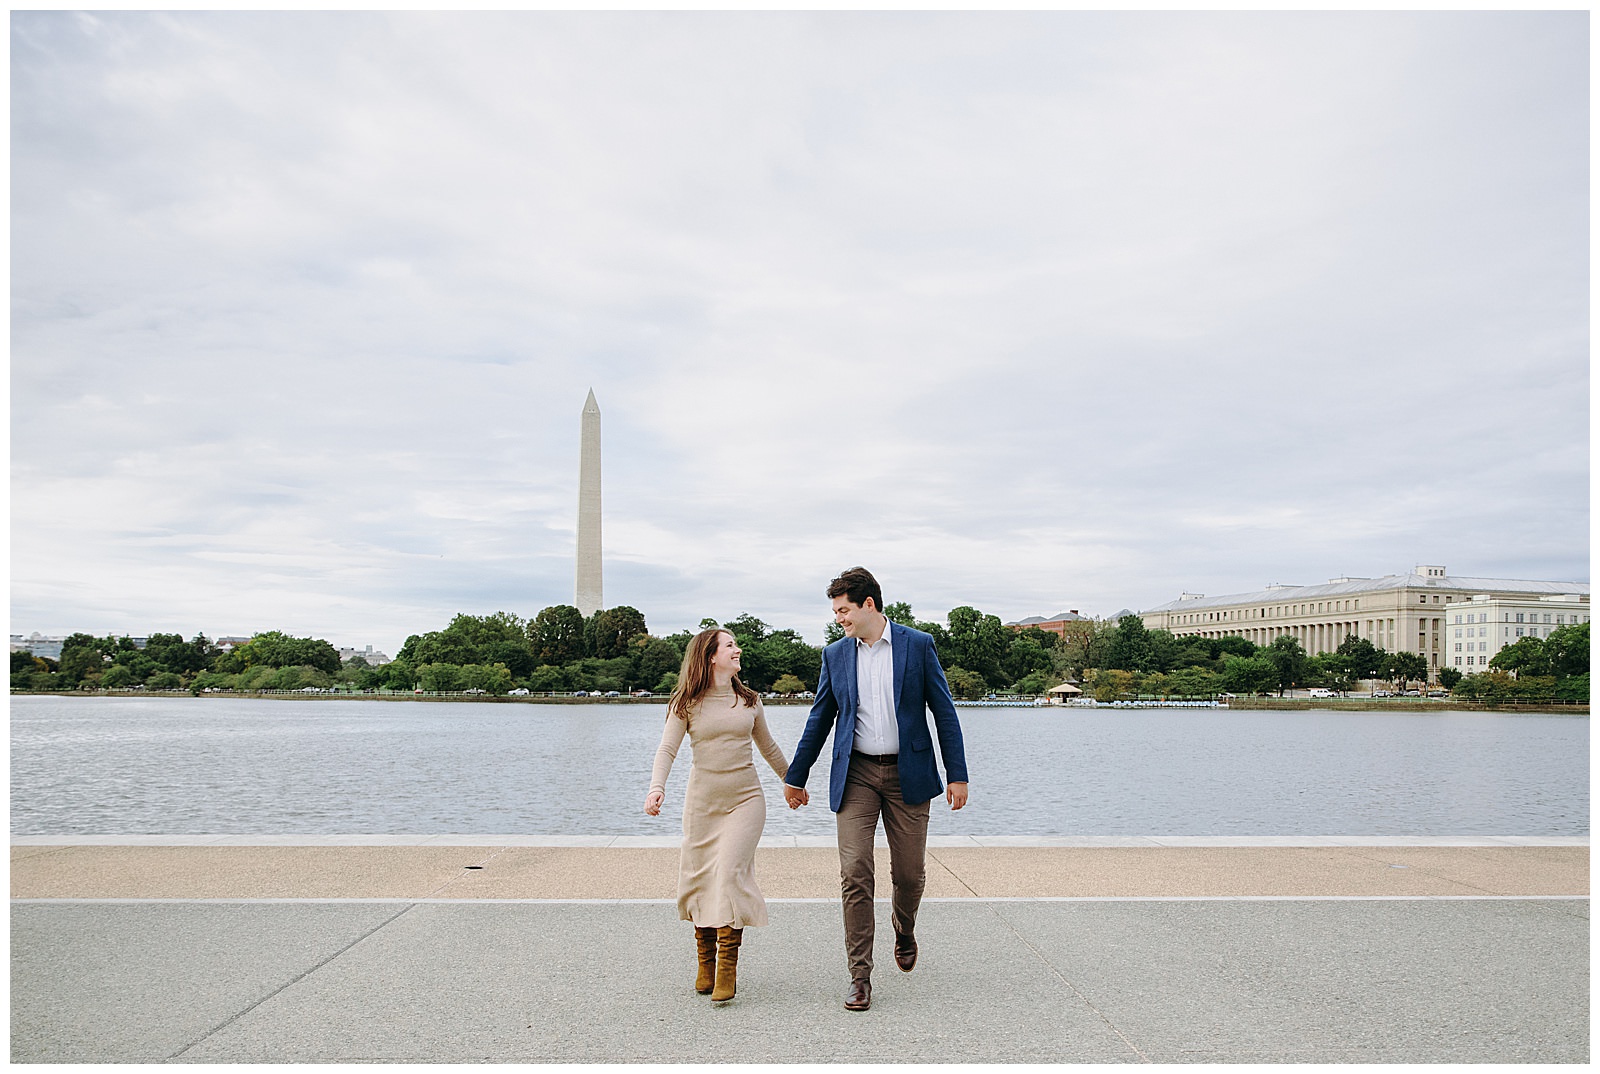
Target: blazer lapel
[
  {"x": 847, "y": 654},
  {"x": 898, "y": 644}
]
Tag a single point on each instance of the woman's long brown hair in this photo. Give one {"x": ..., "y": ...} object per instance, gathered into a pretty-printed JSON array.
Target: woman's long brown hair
[{"x": 695, "y": 678}]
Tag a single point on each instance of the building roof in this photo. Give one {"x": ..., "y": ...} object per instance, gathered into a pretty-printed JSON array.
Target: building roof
[
  {"x": 1350, "y": 586},
  {"x": 1059, "y": 617}
]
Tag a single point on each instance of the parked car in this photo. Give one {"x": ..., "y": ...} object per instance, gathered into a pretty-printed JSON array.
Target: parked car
[
  {"x": 1382, "y": 693},
  {"x": 1320, "y": 691},
  {"x": 613, "y": 693},
  {"x": 641, "y": 693},
  {"x": 580, "y": 693},
  {"x": 521, "y": 691}
]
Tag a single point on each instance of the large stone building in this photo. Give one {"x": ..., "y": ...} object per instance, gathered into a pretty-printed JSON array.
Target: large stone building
[{"x": 1422, "y": 612}]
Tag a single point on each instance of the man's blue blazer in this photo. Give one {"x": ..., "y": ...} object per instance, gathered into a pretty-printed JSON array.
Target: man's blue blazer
[{"x": 919, "y": 687}]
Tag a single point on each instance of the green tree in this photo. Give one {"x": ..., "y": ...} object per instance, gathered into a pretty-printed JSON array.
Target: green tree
[
  {"x": 440, "y": 678},
  {"x": 1129, "y": 647},
  {"x": 1404, "y": 667},
  {"x": 1234, "y": 645},
  {"x": 967, "y": 685},
  {"x": 1362, "y": 658},
  {"x": 788, "y": 684},
  {"x": 556, "y": 635},
  {"x": 832, "y": 633},
  {"x": 1109, "y": 684},
  {"x": 1448, "y": 677},
  {"x": 1194, "y": 653},
  {"x": 977, "y": 642},
  {"x": 82, "y": 659},
  {"x": 1525, "y": 657},
  {"x": 1573, "y": 687},
  {"x": 667, "y": 684},
  {"x": 1035, "y": 683},
  {"x": 655, "y": 658},
  {"x": 1195, "y": 682},
  {"x": 1289, "y": 658},
  {"x": 116, "y": 677},
  {"x": 1163, "y": 651},
  {"x": 900, "y": 612},
  {"x": 547, "y": 678},
  {"x": 1025, "y": 657},
  {"x": 1566, "y": 650},
  {"x": 172, "y": 653},
  {"x": 607, "y": 632},
  {"x": 1331, "y": 670},
  {"x": 1250, "y": 674},
  {"x": 490, "y": 678},
  {"x": 275, "y": 649},
  {"x": 747, "y": 626}
]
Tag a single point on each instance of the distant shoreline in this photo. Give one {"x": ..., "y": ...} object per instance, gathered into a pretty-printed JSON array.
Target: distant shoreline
[{"x": 1268, "y": 704}]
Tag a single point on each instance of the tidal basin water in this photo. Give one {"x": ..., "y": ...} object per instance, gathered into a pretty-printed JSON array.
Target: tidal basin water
[{"x": 104, "y": 766}]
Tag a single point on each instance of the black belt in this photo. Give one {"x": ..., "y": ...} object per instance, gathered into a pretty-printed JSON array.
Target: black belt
[{"x": 877, "y": 758}]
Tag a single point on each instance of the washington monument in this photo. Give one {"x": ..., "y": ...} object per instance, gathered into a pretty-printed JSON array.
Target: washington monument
[{"x": 588, "y": 598}]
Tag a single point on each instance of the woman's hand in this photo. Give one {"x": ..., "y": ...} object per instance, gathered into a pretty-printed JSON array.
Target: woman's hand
[{"x": 652, "y": 802}]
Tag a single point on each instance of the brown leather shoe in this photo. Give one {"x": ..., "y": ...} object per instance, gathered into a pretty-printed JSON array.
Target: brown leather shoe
[
  {"x": 905, "y": 951},
  {"x": 860, "y": 996}
]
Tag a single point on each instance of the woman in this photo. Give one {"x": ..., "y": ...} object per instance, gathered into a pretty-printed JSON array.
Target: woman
[{"x": 723, "y": 810}]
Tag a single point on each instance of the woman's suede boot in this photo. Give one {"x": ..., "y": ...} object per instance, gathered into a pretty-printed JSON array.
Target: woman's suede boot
[
  {"x": 705, "y": 941},
  {"x": 728, "y": 939}
]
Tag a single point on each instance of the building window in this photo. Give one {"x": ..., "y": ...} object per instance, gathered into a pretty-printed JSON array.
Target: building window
[
  {"x": 1458, "y": 649},
  {"x": 1558, "y": 619},
  {"x": 1547, "y": 617},
  {"x": 1458, "y": 619},
  {"x": 1519, "y": 619},
  {"x": 1458, "y": 661}
]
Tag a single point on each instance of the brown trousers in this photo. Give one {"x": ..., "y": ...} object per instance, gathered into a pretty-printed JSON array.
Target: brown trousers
[{"x": 871, "y": 789}]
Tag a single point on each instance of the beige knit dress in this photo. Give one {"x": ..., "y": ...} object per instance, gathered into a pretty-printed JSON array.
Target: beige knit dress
[{"x": 723, "y": 810}]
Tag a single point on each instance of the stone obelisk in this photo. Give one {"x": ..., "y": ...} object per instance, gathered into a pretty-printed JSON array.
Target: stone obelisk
[{"x": 588, "y": 597}]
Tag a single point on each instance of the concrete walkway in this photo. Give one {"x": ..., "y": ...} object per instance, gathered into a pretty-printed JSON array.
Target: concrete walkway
[{"x": 507, "y": 949}]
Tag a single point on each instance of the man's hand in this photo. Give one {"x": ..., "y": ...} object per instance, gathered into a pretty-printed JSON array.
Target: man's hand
[
  {"x": 652, "y": 802},
  {"x": 956, "y": 795},
  {"x": 795, "y": 796}
]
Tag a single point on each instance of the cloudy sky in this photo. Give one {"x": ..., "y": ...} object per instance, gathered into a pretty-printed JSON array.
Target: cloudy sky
[{"x": 1029, "y": 312}]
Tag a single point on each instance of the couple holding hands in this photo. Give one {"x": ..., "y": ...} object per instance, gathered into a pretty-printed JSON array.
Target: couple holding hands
[{"x": 875, "y": 689}]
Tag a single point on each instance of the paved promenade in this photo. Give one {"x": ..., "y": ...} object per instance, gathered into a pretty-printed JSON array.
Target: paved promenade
[{"x": 508, "y": 948}]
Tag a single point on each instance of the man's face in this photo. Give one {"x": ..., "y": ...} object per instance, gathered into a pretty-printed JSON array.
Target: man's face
[{"x": 854, "y": 618}]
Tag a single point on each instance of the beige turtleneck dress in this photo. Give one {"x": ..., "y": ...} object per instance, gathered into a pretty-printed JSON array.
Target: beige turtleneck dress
[{"x": 723, "y": 809}]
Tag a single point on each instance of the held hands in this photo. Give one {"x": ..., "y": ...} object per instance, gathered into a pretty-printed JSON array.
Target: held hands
[
  {"x": 956, "y": 795},
  {"x": 795, "y": 796},
  {"x": 652, "y": 802}
]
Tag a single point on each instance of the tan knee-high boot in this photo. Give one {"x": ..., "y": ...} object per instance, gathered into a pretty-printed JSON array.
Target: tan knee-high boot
[
  {"x": 705, "y": 941},
  {"x": 728, "y": 940}
]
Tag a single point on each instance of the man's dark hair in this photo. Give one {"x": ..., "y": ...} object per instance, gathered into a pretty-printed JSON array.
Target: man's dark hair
[{"x": 856, "y": 585}]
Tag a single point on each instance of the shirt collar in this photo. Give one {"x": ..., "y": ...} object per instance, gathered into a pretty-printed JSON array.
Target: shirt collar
[{"x": 888, "y": 628}]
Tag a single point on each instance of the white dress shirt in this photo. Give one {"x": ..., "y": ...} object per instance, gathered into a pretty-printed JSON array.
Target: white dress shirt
[{"x": 877, "y": 732}]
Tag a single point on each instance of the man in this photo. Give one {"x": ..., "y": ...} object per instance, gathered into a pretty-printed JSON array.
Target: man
[{"x": 878, "y": 682}]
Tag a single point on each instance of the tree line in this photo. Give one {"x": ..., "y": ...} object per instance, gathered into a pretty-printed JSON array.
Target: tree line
[
  {"x": 559, "y": 651},
  {"x": 556, "y": 651}
]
